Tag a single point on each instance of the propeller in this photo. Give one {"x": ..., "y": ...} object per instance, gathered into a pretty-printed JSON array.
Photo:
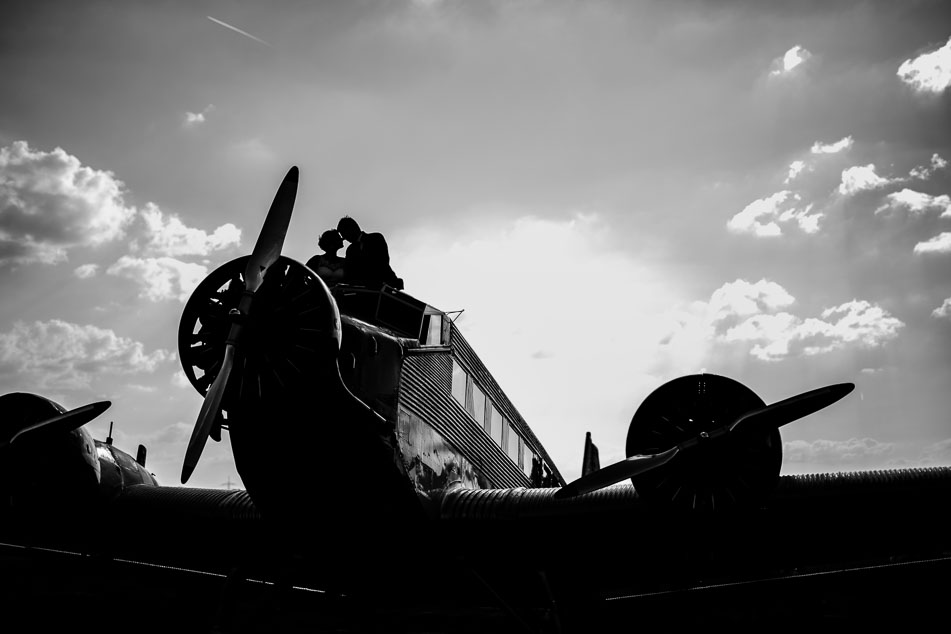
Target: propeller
[
  {"x": 62, "y": 422},
  {"x": 267, "y": 250},
  {"x": 765, "y": 418}
]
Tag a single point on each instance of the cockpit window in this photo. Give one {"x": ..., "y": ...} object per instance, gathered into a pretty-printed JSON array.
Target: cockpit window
[{"x": 432, "y": 330}]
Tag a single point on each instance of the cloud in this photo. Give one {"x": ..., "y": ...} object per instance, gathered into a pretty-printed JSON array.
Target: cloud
[
  {"x": 167, "y": 235},
  {"x": 761, "y": 217},
  {"x": 939, "y": 244},
  {"x": 854, "y": 451},
  {"x": 859, "y": 178},
  {"x": 193, "y": 119},
  {"x": 924, "y": 172},
  {"x": 58, "y": 354},
  {"x": 831, "y": 148},
  {"x": 86, "y": 271},
  {"x": 795, "y": 168},
  {"x": 160, "y": 278},
  {"x": 917, "y": 203},
  {"x": 750, "y": 314},
  {"x": 790, "y": 60},
  {"x": 938, "y": 453},
  {"x": 750, "y": 220},
  {"x": 929, "y": 72},
  {"x": 943, "y": 311},
  {"x": 50, "y": 203}
]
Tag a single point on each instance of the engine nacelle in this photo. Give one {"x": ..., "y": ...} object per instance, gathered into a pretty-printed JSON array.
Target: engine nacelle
[
  {"x": 719, "y": 472},
  {"x": 50, "y": 470}
]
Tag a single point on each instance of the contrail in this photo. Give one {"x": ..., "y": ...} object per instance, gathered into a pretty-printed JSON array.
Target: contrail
[{"x": 237, "y": 30}]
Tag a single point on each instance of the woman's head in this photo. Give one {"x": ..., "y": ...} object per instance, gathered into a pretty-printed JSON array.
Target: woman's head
[{"x": 330, "y": 241}]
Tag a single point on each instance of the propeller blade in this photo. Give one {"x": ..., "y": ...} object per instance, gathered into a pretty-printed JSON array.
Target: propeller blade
[
  {"x": 64, "y": 422},
  {"x": 612, "y": 474},
  {"x": 209, "y": 410},
  {"x": 267, "y": 250},
  {"x": 271, "y": 239},
  {"x": 793, "y": 408}
]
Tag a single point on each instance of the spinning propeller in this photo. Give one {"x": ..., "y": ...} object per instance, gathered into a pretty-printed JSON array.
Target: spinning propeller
[
  {"x": 266, "y": 252},
  {"x": 717, "y": 424}
]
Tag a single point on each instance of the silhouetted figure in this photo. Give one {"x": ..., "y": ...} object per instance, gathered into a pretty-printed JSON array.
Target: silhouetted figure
[
  {"x": 328, "y": 265},
  {"x": 368, "y": 259},
  {"x": 536, "y": 476}
]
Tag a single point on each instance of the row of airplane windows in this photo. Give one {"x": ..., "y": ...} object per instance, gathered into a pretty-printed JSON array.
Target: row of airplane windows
[{"x": 480, "y": 407}]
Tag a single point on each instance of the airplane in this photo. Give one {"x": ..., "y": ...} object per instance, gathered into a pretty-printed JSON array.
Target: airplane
[{"x": 385, "y": 467}]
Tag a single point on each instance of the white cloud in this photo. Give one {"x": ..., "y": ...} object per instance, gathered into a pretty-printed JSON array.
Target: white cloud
[
  {"x": 793, "y": 58},
  {"x": 61, "y": 355},
  {"x": 761, "y": 217},
  {"x": 50, "y": 202},
  {"x": 169, "y": 236},
  {"x": 743, "y": 313},
  {"x": 938, "y": 453},
  {"x": 924, "y": 172},
  {"x": 916, "y": 202},
  {"x": 831, "y": 148},
  {"x": 742, "y": 298},
  {"x": 860, "y": 177},
  {"x": 750, "y": 219},
  {"x": 943, "y": 311},
  {"x": 160, "y": 278},
  {"x": 86, "y": 271},
  {"x": 795, "y": 168},
  {"x": 939, "y": 244},
  {"x": 929, "y": 72},
  {"x": 808, "y": 222},
  {"x": 857, "y": 321},
  {"x": 197, "y": 118},
  {"x": 854, "y": 451}
]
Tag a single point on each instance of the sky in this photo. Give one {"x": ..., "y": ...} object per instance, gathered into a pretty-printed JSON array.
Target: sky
[{"x": 616, "y": 193}]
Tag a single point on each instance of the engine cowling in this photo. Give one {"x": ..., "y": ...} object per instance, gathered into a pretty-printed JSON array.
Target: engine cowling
[{"x": 720, "y": 472}]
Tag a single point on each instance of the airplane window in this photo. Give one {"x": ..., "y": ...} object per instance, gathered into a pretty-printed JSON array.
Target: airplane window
[
  {"x": 498, "y": 426},
  {"x": 527, "y": 457},
  {"x": 492, "y": 417},
  {"x": 478, "y": 405},
  {"x": 512, "y": 444},
  {"x": 459, "y": 383}
]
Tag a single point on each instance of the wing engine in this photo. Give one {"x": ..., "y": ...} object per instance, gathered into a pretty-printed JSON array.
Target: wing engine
[{"x": 706, "y": 442}]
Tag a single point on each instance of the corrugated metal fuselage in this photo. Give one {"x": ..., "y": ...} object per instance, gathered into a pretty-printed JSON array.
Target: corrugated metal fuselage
[{"x": 410, "y": 386}]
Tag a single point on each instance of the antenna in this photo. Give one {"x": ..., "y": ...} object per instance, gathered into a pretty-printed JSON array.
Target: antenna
[{"x": 109, "y": 437}]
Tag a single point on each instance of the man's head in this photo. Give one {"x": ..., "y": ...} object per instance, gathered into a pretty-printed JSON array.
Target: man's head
[
  {"x": 349, "y": 229},
  {"x": 330, "y": 241}
]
